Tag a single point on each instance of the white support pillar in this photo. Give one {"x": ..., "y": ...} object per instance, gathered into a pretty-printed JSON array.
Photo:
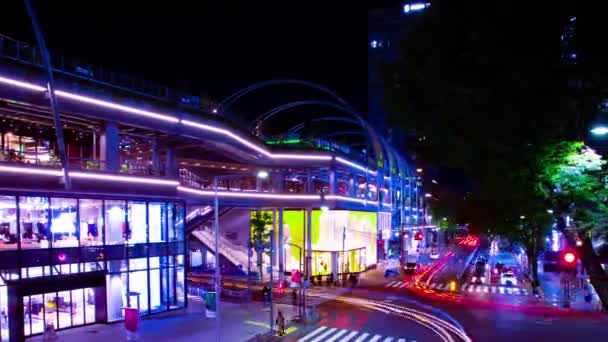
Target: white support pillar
[
  {"x": 281, "y": 247},
  {"x": 308, "y": 242},
  {"x": 109, "y": 147},
  {"x": 333, "y": 181}
]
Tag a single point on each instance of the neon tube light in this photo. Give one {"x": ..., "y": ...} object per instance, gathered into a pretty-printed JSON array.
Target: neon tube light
[
  {"x": 127, "y": 179},
  {"x": 356, "y": 166},
  {"x": 31, "y": 171},
  {"x": 113, "y": 105},
  {"x": 25, "y": 85},
  {"x": 350, "y": 199},
  {"x": 227, "y": 133},
  {"x": 300, "y": 156},
  {"x": 248, "y": 195}
]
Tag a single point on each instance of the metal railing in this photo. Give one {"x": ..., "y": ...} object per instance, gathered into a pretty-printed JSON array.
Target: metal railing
[
  {"x": 22, "y": 52},
  {"x": 128, "y": 166}
]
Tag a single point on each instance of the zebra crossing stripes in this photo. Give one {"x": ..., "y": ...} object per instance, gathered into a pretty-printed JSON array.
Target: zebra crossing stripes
[
  {"x": 396, "y": 284},
  {"x": 327, "y": 334},
  {"x": 481, "y": 289}
]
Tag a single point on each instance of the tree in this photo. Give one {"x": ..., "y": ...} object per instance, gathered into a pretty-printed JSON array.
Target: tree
[
  {"x": 572, "y": 180},
  {"x": 261, "y": 233}
]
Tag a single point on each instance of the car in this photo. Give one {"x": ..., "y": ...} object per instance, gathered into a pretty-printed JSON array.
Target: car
[
  {"x": 507, "y": 278},
  {"x": 392, "y": 268},
  {"x": 478, "y": 278},
  {"x": 499, "y": 267},
  {"x": 480, "y": 267},
  {"x": 434, "y": 254}
]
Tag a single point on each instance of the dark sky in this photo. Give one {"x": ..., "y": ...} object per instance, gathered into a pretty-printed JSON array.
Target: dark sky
[{"x": 212, "y": 48}]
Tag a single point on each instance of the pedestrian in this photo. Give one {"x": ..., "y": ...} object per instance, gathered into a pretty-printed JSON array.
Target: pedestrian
[
  {"x": 266, "y": 294},
  {"x": 281, "y": 323},
  {"x": 294, "y": 297}
]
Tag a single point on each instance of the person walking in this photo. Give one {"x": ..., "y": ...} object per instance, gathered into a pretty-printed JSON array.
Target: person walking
[{"x": 281, "y": 323}]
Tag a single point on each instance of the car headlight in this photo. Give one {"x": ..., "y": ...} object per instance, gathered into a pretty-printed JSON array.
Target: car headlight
[
  {"x": 482, "y": 278},
  {"x": 474, "y": 278}
]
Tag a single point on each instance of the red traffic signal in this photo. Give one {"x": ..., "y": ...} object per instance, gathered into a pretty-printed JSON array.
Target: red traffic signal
[
  {"x": 569, "y": 258},
  {"x": 418, "y": 236}
]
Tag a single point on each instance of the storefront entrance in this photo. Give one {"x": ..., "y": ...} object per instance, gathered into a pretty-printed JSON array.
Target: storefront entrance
[
  {"x": 64, "y": 309},
  {"x": 67, "y": 301}
]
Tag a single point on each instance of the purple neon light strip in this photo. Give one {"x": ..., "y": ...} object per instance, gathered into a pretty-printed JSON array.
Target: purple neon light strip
[
  {"x": 116, "y": 106},
  {"x": 356, "y": 166},
  {"x": 168, "y": 118},
  {"x": 248, "y": 195},
  {"x": 31, "y": 171},
  {"x": 350, "y": 199},
  {"x": 128, "y": 179}
]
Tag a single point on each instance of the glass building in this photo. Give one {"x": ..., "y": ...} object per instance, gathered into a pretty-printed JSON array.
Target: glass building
[{"x": 77, "y": 261}]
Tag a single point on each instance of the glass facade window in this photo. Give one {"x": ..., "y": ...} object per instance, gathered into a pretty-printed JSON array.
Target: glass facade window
[
  {"x": 63, "y": 222},
  {"x": 179, "y": 222},
  {"x": 116, "y": 227},
  {"x": 91, "y": 222},
  {"x": 8, "y": 222},
  {"x": 158, "y": 222},
  {"x": 139, "y": 243},
  {"x": 34, "y": 222},
  {"x": 136, "y": 228}
]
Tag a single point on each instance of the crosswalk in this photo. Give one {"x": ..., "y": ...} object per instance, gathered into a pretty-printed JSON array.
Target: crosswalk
[
  {"x": 482, "y": 289},
  {"x": 328, "y": 334},
  {"x": 398, "y": 284}
]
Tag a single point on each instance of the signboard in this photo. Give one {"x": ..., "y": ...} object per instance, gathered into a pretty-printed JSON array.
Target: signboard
[
  {"x": 296, "y": 277},
  {"x": 443, "y": 224},
  {"x": 210, "y": 304}
]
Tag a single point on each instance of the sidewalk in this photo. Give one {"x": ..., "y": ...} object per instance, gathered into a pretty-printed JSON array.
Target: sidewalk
[
  {"x": 240, "y": 322},
  {"x": 553, "y": 294}
]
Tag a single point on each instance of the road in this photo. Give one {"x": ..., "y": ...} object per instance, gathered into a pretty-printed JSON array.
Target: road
[
  {"x": 361, "y": 316},
  {"x": 483, "y": 316}
]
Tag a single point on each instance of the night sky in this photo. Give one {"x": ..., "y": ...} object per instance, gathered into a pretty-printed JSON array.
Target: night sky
[{"x": 211, "y": 49}]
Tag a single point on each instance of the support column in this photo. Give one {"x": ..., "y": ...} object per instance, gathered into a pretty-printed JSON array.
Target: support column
[
  {"x": 309, "y": 182},
  {"x": 155, "y": 156},
  {"x": 278, "y": 182},
  {"x": 109, "y": 142},
  {"x": 309, "y": 242},
  {"x": 171, "y": 163},
  {"x": 332, "y": 181},
  {"x": 281, "y": 246}
]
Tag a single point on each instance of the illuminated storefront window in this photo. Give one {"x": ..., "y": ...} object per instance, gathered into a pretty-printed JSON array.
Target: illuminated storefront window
[{"x": 140, "y": 245}]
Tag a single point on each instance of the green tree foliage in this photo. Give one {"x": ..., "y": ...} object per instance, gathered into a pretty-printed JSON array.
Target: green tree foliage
[{"x": 261, "y": 233}]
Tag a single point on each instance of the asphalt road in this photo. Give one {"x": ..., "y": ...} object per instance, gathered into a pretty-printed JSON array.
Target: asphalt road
[
  {"x": 483, "y": 316},
  {"x": 355, "y": 316}
]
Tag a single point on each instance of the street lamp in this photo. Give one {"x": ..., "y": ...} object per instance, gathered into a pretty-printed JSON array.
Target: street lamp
[
  {"x": 262, "y": 174},
  {"x": 600, "y": 130}
]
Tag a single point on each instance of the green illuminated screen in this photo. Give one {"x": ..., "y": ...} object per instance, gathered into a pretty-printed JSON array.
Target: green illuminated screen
[{"x": 358, "y": 228}]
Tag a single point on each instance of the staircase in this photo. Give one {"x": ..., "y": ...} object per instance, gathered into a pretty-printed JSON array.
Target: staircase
[{"x": 234, "y": 252}]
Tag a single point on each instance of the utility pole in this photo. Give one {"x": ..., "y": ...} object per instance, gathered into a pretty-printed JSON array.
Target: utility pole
[{"x": 344, "y": 249}]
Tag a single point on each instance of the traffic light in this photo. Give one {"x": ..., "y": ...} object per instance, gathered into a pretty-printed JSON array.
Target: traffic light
[
  {"x": 569, "y": 258},
  {"x": 418, "y": 236}
]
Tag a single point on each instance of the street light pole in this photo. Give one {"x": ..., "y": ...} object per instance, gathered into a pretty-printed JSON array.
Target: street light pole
[
  {"x": 218, "y": 283},
  {"x": 217, "y": 262}
]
